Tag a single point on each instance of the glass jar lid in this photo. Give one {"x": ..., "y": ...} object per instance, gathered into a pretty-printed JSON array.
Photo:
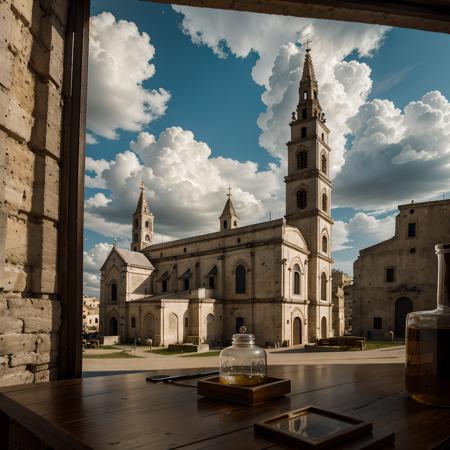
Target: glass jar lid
[{"x": 242, "y": 338}]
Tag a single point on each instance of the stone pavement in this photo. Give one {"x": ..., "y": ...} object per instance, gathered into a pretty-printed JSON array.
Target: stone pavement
[{"x": 285, "y": 356}]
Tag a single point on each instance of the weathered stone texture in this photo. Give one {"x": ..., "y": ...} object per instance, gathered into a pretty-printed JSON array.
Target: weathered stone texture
[
  {"x": 31, "y": 74},
  {"x": 10, "y": 379},
  {"x": 38, "y": 315},
  {"x": 17, "y": 343}
]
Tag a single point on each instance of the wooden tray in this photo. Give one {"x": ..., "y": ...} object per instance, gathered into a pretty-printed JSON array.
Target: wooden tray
[
  {"x": 247, "y": 395},
  {"x": 316, "y": 428}
]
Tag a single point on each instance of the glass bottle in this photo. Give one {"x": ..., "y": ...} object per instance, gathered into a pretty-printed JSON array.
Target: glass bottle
[
  {"x": 428, "y": 343},
  {"x": 243, "y": 363}
]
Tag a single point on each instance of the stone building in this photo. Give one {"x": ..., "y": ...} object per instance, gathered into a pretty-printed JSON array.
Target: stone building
[
  {"x": 273, "y": 276},
  {"x": 91, "y": 306},
  {"x": 340, "y": 292},
  {"x": 32, "y": 35},
  {"x": 399, "y": 275},
  {"x": 348, "y": 309}
]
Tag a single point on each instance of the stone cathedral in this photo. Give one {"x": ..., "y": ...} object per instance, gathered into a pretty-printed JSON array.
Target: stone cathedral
[{"x": 272, "y": 277}]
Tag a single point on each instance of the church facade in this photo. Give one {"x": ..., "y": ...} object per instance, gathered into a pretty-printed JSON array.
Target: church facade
[{"x": 273, "y": 277}]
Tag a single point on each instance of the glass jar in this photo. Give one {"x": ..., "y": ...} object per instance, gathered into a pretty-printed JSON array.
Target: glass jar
[
  {"x": 243, "y": 363},
  {"x": 428, "y": 343}
]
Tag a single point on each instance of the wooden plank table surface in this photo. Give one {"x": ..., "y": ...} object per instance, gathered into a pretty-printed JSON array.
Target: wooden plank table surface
[{"x": 126, "y": 412}]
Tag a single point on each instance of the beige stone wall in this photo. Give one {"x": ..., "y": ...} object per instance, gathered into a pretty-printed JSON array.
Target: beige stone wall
[
  {"x": 31, "y": 72},
  {"x": 340, "y": 309},
  {"x": 414, "y": 262}
]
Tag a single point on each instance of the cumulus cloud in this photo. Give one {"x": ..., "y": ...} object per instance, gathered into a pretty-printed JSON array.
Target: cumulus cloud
[
  {"x": 343, "y": 85},
  {"x": 95, "y": 167},
  {"x": 396, "y": 156},
  {"x": 93, "y": 259},
  {"x": 119, "y": 63},
  {"x": 340, "y": 236},
  {"x": 186, "y": 186},
  {"x": 361, "y": 231}
]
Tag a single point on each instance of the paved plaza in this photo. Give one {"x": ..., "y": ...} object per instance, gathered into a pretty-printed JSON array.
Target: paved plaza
[{"x": 284, "y": 356}]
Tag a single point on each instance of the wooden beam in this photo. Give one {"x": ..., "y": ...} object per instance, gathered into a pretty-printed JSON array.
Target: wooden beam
[
  {"x": 421, "y": 14},
  {"x": 70, "y": 252}
]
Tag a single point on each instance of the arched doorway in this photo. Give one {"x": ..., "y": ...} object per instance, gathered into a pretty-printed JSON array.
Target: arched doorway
[
  {"x": 113, "y": 327},
  {"x": 323, "y": 327},
  {"x": 297, "y": 331},
  {"x": 149, "y": 327},
  {"x": 403, "y": 306},
  {"x": 172, "y": 332},
  {"x": 210, "y": 329}
]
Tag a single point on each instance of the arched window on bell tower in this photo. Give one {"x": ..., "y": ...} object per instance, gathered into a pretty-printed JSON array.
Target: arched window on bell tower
[
  {"x": 324, "y": 164},
  {"x": 302, "y": 199},
  {"x": 324, "y": 202},
  {"x": 323, "y": 286},
  {"x": 303, "y": 132},
  {"x": 302, "y": 159},
  {"x": 324, "y": 244}
]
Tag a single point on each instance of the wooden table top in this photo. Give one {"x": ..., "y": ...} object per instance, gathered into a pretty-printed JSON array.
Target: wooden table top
[{"x": 126, "y": 412}]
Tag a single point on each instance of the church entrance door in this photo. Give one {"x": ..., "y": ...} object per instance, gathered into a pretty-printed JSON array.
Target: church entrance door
[
  {"x": 297, "y": 331},
  {"x": 113, "y": 327},
  {"x": 403, "y": 306},
  {"x": 172, "y": 336},
  {"x": 239, "y": 323},
  {"x": 324, "y": 328}
]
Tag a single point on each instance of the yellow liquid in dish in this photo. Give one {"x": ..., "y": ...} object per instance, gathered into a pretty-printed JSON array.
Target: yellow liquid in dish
[{"x": 241, "y": 379}]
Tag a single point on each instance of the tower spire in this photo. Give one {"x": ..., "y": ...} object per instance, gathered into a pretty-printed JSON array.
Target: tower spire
[
  {"x": 228, "y": 219},
  {"x": 143, "y": 220},
  {"x": 142, "y": 205},
  {"x": 309, "y": 105}
]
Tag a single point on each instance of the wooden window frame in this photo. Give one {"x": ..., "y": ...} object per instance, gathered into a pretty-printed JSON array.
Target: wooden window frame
[{"x": 423, "y": 15}]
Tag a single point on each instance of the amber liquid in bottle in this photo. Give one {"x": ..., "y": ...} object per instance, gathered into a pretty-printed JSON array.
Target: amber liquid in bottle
[{"x": 427, "y": 374}]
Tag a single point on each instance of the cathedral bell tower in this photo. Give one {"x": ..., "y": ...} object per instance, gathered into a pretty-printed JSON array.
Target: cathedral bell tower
[
  {"x": 308, "y": 196},
  {"x": 229, "y": 219},
  {"x": 142, "y": 234}
]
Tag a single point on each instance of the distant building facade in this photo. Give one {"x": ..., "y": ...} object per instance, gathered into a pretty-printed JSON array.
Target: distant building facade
[
  {"x": 399, "y": 275},
  {"x": 91, "y": 308},
  {"x": 340, "y": 281},
  {"x": 272, "y": 277}
]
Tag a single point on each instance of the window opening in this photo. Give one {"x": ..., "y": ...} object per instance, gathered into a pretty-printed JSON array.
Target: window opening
[
  {"x": 302, "y": 159},
  {"x": 301, "y": 199},
  {"x": 240, "y": 279},
  {"x": 390, "y": 274}
]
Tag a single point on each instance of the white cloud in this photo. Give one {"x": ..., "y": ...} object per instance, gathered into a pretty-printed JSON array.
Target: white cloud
[
  {"x": 396, "y": 156},
  {"x": 119, "y": 63},
  {"x": 90, "y": 139},
  {"x": 97, "y": 166},
  {"x": 93, "y": 259},
  {"x": 99, "y": 224},
  {"x": 186, "y": 187},
  {"x": 340, "y": 236},
  {"x": 343, "y": 85},
  {"x": 361, "y": 231},
  {"x": 365, "y": 230}
]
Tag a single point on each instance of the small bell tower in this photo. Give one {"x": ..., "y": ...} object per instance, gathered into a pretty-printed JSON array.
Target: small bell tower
[
  {"x": 228, "y": 219},
  {"x": 143, "y": 219}
]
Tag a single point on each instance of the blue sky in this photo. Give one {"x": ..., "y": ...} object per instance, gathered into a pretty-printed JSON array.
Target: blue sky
[{"x": 225, "y": 75}]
